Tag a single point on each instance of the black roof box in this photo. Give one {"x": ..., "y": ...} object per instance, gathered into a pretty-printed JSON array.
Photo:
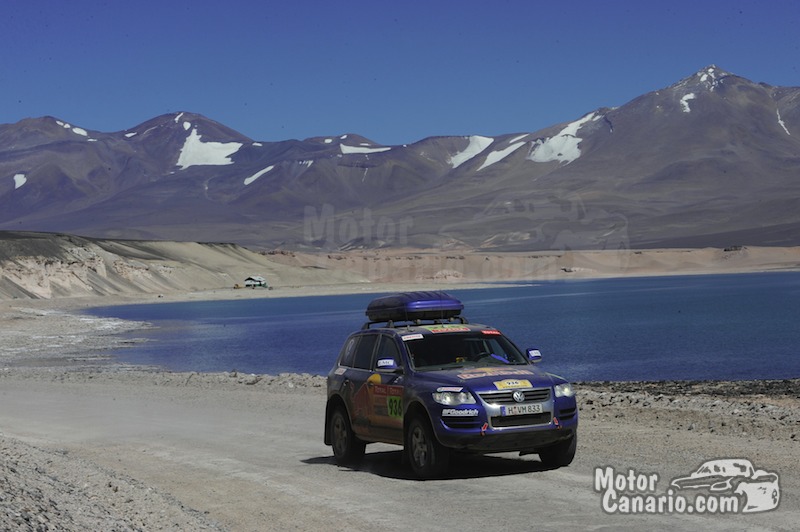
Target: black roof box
[{"x": 409, "y": 306}]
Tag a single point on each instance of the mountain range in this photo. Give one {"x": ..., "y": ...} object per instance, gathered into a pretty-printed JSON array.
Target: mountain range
[{"x": 712, "y": 160}]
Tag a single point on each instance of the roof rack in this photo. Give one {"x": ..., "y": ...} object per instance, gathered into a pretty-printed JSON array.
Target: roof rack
[
  {"x": 412, "y": 308},
  {"x": 391, "y": 324}
]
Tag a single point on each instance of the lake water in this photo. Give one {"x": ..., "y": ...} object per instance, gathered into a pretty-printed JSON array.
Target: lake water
[{"x": 744, "y": 326}]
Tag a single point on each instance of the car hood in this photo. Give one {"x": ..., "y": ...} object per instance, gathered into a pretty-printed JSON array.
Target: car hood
[{"x": 491, "y": 377}]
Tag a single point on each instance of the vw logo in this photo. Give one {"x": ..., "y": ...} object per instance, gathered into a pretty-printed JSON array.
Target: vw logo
[{"x": 518, "y": 396}]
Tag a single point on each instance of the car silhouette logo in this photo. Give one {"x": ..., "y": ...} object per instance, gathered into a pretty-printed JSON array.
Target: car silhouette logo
[
  {"x": 518, "y": 396},
  {"x": 760, "y": 489}
]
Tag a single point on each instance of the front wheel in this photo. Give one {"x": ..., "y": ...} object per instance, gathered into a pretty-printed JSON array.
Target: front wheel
[
  {"x": 561, "y": 454},
  {"x": 428, "y": 457},
  {"x": 347, "y": 448}
]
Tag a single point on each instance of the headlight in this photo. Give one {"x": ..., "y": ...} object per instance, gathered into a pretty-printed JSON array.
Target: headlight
[
  {"x": 454, "y": 398},
  {"x": 564, "y": 390}
]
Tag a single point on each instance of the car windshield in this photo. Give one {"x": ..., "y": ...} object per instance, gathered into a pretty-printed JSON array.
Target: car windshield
[
  {"x": 723, "y": 469},
  {"x": 462, "y": 349}
]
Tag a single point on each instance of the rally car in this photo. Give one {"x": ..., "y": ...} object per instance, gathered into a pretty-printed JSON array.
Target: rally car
[{"x": 418, "y": 374}]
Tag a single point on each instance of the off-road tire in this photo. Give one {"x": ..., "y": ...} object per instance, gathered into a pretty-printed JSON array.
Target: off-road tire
[
  {"x": 561, "y": 454},
  {"x": 428, "y": 458},
  {"x": 347, "y": 448}
]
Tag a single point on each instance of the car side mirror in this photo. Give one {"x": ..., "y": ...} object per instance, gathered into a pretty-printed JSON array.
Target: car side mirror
[
  {"x": 534, "y": 355},
  {"x": 388, "y": 365}
]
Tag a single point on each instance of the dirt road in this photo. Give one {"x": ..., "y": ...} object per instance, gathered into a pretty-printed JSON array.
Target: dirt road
[{"x": 246, "y": 453}]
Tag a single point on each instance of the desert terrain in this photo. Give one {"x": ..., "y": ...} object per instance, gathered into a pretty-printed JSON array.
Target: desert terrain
[{"x": 89, "y": 444}]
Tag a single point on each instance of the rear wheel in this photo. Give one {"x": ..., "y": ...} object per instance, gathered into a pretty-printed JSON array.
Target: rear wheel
[
  {"x": 428, "y": 457},
  {"x": 347, "y": 448},
  {"x": 560, "y": 454}
]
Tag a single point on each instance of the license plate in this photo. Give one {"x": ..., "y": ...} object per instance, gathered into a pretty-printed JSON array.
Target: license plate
[{"x": 516, "y": 410}]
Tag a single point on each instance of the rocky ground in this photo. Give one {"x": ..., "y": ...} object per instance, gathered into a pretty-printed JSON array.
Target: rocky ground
[
  {"x": 44, "y": 489},
  {"x": 760, "y": 409}
]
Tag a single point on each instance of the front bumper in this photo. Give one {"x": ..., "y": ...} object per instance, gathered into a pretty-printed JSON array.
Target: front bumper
[{"x": 490, "y": 432}]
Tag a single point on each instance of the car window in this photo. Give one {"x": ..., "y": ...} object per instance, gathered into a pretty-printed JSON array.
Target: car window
[
  {"x": 364, "y": 349},
  {"x": 388, "y": 349},
  {"x": 348, "y": 352},
  {"x": 471, "y": 349}
]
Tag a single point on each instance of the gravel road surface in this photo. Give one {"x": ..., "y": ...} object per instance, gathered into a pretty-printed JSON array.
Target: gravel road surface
[{"x": 110, "y": 449}]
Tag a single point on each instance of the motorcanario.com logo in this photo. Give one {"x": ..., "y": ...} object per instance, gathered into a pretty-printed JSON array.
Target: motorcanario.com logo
[{"x": 722, "y": 486}]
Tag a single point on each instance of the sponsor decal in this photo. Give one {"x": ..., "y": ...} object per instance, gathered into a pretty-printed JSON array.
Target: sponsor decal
[
  {"x": 511, "y": 384},
  {"x": 491, "y": 331},
  {"x": 488, "y": 372},
  {"x": 386, "y": 389},
  {"x": 449, "y": 389},
  {"x": 457, "y": 412},
  {"x": 446, "y": 328},
  {"x": 384, "y": 362},
  {"x": 408, "y": 337},
  {"x": 340, "y": 371},
  {"x": 721, "y": 486}
]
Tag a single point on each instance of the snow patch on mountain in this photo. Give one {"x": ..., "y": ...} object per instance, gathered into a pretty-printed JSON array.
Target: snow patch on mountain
[
  {"x": 710, "y": 77},
  {"x": 710, "y": 73},
  {"x": 361, "y": 149},
  {"x": 685, "y": 102},
  {"x": 476, "y": 145},
  {"x": 498, "y": 155},
  {"x": 195, "y": 152},
  {"x": 781, "y": 122},
  {"x": 76, "y": 130},
  {"x": 19, "y": 180},
  {"x": 563, "y": 147},
  {"x": 258, "y": 174}
]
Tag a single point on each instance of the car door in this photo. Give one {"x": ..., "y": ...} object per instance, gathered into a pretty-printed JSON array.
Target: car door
[
  {"x": 357, "y": 380},
  {"x": 385, "y": 385}
]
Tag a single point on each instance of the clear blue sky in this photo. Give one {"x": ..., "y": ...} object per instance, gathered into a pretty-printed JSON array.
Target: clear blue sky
[{"x": 393, "y": 71}]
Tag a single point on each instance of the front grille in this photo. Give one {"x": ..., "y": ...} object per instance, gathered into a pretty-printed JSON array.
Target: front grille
[
  {"x": 538, "y": 395},
  {"x": 521, "y": 421},
  {"x": 464, "y": 424}
]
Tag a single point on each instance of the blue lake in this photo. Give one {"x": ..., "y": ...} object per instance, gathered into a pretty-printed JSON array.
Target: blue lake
[{"x": 742, "y": 326}]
